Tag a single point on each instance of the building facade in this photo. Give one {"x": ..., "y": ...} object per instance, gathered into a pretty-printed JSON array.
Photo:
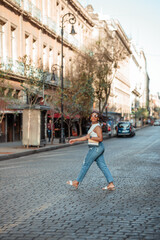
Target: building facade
[
  {"x": 139, "y": 80},
  {"x": 154, "y": 106},
  {"x": 118, "y": 105},
  {"x": 33, "y": 29}
]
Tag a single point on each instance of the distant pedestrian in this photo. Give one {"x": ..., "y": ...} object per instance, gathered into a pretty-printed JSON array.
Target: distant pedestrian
[
  {"x": 95, "y": 153},
  {"x": 50, "y": 130}
]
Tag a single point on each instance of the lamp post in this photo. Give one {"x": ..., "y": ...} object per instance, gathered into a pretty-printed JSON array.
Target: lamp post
[
  {"x": 72, "y": 20},
  {"x": 54, "y": 69}
]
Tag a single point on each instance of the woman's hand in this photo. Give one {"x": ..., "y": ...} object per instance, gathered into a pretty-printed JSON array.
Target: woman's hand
[
  {"x": 72, "y": 141},
  {"x": 88, "y": 136},
  {"x": 81, "y": 139}
]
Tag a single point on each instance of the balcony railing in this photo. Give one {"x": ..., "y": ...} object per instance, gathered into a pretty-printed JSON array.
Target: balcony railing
[
  {"x": 17, "y": 2},
  {"x": 35, "y": 12},
  {"x": 50, "y": 23},
  {"x": 32, "y": 9},
  {"x": 9, "y": 65}
]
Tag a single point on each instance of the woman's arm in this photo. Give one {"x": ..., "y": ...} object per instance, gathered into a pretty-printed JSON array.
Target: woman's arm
[
  {"x": 81, "y": 139},
  {"x": 99, "y": 137}
]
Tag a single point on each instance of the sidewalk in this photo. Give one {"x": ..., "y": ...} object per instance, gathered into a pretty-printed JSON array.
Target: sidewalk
[{"x": 11, "y": 150}]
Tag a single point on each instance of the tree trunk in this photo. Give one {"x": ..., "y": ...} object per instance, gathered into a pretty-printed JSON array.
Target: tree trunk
[
  {"x": 80, "y": 126},
  {"x": 52, "y": 131},
  {"x": 29, "y": 124},
  {"x": 69, "y": 131}
]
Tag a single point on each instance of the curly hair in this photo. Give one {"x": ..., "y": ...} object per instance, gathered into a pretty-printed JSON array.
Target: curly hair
[{"x": 99, "y": 115}]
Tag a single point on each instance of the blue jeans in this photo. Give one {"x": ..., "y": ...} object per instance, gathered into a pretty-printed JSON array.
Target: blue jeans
[{"x": 95, "y": 154}]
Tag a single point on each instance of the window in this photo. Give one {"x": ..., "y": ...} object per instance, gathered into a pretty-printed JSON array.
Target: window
[
  {"x": 2, "y": 38},
  {"x": 50, "y": 59},
  {"x": 70, "y": 67},
  {"x": 44, "y": 7},
  {"x": 16, "y": 94},
  {"x": 124, "y": 125},
  {"x": 34, "y": 51},
  {"x": 27, "y": 44},
  {"x": 58, "y": 17},
  {"x": 59, "y": 64},
  {"x": 44, "y": 57},
  {"x": 13, "y": 43},
  {"x": 49, "y": 8}
]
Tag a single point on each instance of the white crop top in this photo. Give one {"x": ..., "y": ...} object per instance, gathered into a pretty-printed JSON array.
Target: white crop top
[{"x": 91, "y": 130}]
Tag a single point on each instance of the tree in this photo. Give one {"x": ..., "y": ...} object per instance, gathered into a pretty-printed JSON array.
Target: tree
[
  {"x": 109, "y": 53},
  {"x": 142, "y": 113},
  {"x": 80, "y": 94},
  {"x": 35, "y": 80},
  {"x": 33, "y": 86}
]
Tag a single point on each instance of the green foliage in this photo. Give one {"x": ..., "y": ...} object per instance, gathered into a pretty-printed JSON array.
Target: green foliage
[
  {"x": 108, "y": 53},
  {"x": 142, "y": 113},
  {"x": 34, "y": 84},
  {"x": 157, "y": 109},
  {"x": 80, "y": 95}
]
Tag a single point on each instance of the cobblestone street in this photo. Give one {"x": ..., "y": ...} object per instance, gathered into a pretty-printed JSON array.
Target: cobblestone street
[{"x": 36, "y": 203}]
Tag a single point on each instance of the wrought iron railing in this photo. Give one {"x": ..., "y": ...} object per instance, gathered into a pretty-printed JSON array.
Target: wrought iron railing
[
  {"x": 35, "y": 12},
  {"x": 50, "y": 23},
  {"x": 17, "y": 2},
  {"x": 32, "y": 9},
  {"x": 9, "y": 65}
]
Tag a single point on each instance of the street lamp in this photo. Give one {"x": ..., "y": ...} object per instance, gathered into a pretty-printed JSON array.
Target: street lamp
[
  {"x": 54, "y": 69},
  {"x": 72, "y": 20}
]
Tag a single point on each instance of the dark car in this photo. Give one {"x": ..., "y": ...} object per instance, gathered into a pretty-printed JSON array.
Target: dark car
[
  {"x": 125, "y": 129},
  {"x": 106, "y": 128},
  {"x": 156, "y": 123}
]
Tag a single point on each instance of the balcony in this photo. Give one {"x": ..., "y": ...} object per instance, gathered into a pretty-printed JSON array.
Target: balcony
[
  {"x": 8, "y": 65},
  {"x": 51, "y": 79},
  {"x": 32, "y": 9},
  {"x": 50, "y": 23},
  {"x": 18, "y": 2}
]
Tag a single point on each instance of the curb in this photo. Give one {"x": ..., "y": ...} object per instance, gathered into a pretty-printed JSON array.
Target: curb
[{"x": 39, "y": 150}]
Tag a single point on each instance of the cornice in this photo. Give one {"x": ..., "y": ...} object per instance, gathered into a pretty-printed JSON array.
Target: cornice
[
  {"x": 13, "y": 5},
  {"x": 123, "y": 40},
  {"x": 122, "y": 78},
  {"x": 135, "y": 92},
  {"x": 81, "y": 11}
]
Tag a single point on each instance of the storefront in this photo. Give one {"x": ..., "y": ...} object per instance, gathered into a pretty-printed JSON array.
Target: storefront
[{"x": 11, "y": 126}]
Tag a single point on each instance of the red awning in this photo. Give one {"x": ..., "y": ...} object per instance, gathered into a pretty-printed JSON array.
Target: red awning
[{"x": 58, "y": 115}]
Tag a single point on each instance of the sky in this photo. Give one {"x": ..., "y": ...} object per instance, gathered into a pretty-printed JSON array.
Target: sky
[{"x": 140, "y": 20}]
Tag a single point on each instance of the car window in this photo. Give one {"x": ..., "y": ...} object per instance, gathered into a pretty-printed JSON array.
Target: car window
[{"x": 123, "y": 125}]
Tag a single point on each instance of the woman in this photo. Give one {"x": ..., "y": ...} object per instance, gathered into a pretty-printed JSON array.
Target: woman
[{"x": 95, "y": 153}]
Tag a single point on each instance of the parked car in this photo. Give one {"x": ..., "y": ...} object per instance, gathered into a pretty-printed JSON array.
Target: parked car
[
  {"x": 106, "y": 128},
  {"x": 125, "y": 129},
  {"x": 156, "y": 123}
]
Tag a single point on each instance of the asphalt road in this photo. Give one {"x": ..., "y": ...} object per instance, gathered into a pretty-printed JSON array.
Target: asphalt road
[{"x": 35, "y": 202}]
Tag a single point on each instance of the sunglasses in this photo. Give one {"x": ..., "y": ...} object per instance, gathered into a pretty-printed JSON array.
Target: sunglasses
[{"x": 94, "y": 115}]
